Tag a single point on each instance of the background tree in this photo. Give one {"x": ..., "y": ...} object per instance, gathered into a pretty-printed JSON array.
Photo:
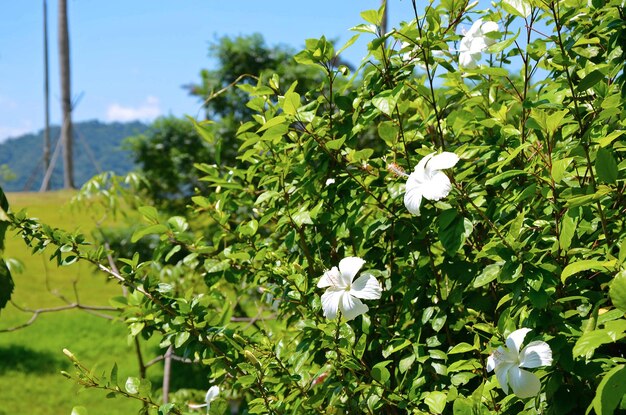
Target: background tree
[
  {"x": 166, "y": 154},
  {"x": 244, "y": 60}
]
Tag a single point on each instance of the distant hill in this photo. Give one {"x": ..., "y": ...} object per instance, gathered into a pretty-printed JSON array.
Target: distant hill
[{"x": 97, "y": 148}]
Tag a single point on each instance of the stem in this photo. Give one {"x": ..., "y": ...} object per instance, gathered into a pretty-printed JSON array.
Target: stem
[
  {"x": 167, "y": 373},
  {"x": 429, "y": 74}
]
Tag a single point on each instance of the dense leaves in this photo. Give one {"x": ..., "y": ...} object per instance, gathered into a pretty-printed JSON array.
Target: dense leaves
[{"x": 528, "y": 236}]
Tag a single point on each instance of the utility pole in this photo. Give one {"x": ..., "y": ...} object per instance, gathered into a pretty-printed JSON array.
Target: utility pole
[
  {"x": 46, "y": 92},
  {"x": 383, "y": 23},
  {"x": 66, "y": 100}
]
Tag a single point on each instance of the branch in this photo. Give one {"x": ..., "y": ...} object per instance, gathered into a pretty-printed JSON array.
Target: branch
[{"x": 36, "y": 312}]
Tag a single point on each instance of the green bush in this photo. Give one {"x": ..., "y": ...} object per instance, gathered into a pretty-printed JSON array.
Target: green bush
[{"x": 486, "y": 221}]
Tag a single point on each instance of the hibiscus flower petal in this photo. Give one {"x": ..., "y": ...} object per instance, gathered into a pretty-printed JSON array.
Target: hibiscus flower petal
[
  {"x": 421, "y": 165},
  {"x": 212, "y": 393},
  {"x": 489, "y": 27},
  {"x": 351, "y": 307},
  {"x": 502, "y": 372},
  {"x": 329, "y": 279},
  {"x": 445, "y": 160},
  {"x": 330, "y": 302},
  {"x": 366, "y": 287},
  {"x": 413, "y": 199},
  {"x": 515, "y": 339},
  {"x": 475, "y": 29},
  {"x": 466, "y": 60},
  {"x": 437, "y": 187},
  {"x": 491, "y": 363},
  {"x": 536, "y": 354},
  {"x": 524, "y": 383},
  {"x": 349, "y": 267}
]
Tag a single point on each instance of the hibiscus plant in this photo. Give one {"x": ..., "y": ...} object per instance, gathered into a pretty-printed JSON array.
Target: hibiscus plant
[{"x": 438, "y": 231}]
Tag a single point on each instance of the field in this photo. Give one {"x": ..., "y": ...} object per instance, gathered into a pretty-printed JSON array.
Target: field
[{"x": 31, "y": 358}]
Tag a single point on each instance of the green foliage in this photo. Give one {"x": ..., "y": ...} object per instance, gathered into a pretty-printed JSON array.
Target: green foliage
[
  {"x": 166, "y": 154},
  {"x": 6, "y": 281},
  {"x": 523, "y": 232}
]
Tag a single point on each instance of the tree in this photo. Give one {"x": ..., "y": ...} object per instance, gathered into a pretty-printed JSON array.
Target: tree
[
  {"x": 244, "y": 60},
  {"x": 66, "y": 97},
  {"x": 166, "y": 154}
]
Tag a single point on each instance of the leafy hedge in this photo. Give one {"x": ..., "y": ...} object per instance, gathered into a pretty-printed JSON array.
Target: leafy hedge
[{"x": 487, "y": 213}]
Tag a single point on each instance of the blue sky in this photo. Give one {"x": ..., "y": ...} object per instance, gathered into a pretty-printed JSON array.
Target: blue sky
[{"x": 130, "y": 57}]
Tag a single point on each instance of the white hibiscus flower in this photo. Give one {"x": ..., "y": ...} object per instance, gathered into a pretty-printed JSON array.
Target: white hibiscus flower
[
  {"x": 475, "y": 42},
  {"x": 428, "y": 181},
  {"x": 211, "y": 394},
  {"x": 343, "y": 293},
  {"x": 508, "y": 363}
]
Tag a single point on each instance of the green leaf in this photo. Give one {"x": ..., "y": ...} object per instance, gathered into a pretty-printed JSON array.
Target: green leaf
[
  {"x": 140, "y": 233},
  {"x": 6, "y": 284},
  {"x": 181, "y": 338},
  {"x": 273, "y": 122},
  {"x": 591, "y": 340},
  {"x": 113, "y": 377},
  {"x": 371, "y": 16},
  {"x": 249, "y": 228},
  {"x": 606, "y": 166},
  {"x": 436, "y": 401},
  {"x": 386, "y": 102},
  {"x": 394, "y": 346},
  {"x": 503, "y": 177},
  {"x": 349, "y": 43},
  {"x": 590, "y": 80},
  {"x": 463, "y": 406},
  {"x": 585, "y": 265},
  {"x": 291, "y": 103},
  {"x": 135, "y": 328},
  {"x": 4, "y": 218},
  {"x": 451, "y": 230},
  {"x": 149, "y": 212},
  {"x": 462, "y": 348},
  {"x": 388, "y": 131},
  {"x": 488, "y": 274},
  {"x": 587, "y": 199},
  {"x": 510, "y": 272},
  {"x": 606, "y": 140},
  {"x": 568, "y": 228},
  {"x": 204, "y": 130},
  {"x": 617, "y": 290},
  {"x": 301, "y": 218},
  {"x": 4, "y": 203},
  {"x": 559, "y": 168},
  {"x": 335, "y": 144},
  {"x": 487, "y": 70},
  {"x": 380, "y": 372},
  {"x": 246, "y": 380},
  {"x": 610, "y": 391}
]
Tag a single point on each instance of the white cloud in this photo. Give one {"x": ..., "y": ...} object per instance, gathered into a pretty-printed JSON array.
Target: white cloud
[{"x": 147, "y": 111}]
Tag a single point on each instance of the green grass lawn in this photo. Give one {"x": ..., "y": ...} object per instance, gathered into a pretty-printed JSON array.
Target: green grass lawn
[{"x": 31, "y": 358}]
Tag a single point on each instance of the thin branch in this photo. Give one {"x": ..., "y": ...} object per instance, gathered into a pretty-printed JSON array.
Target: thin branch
[{"x": 37, "y": 312}]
